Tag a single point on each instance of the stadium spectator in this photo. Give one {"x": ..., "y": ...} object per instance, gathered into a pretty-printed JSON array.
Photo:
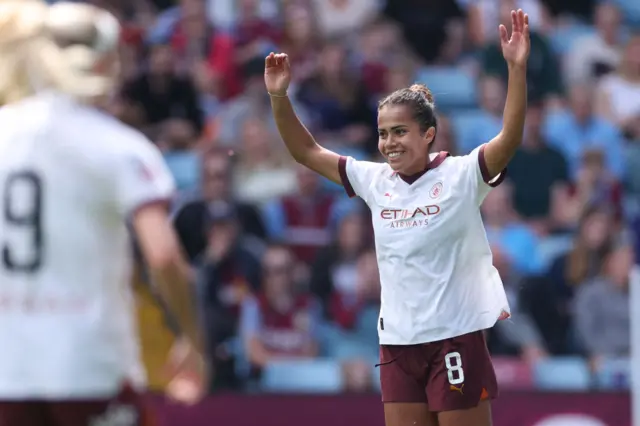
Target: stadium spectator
[
  {"x": 255, "y": 36},
  {"x": 595, "y": 55},
  {"x": 338, "y": 18},
  {"x": 191, "y": 212},
  {"x": 334, "y": 272},
  {"x": 492, "y": 92},
  {"x": 422, "y": 21},
  {"x": 177, "y": 140},
  {"x": 533, "y": 188},
  {"x": 445, "y": 139},
  {"x": 226, "y": 127},
  {"x": 594, "y": 186},
  {"x": 483, "y": 17},
  {"x": 518, "y": 337},
  {"x": 544, "y": 79},
  {"x": 302, "y": 38},
  {"x": 279, "y": 322},
  {"x": 602, "y": 310},
  {"x": 506, "y": 231},
  {"x": 302, "y": 220},
  {"x": 228, "y": 272},
  {"x": 578, "y": 128},
  {"x": 338, "y": 100},
  {"x": 195, "y": 39},
  {"x": 582, "y": 263},
  {"x": 161, "y": 93},
  {"x": 620, "y": 93},
  {"x": 262, "y": 172}
]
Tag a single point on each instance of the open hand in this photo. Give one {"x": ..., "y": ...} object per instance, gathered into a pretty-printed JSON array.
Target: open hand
[
  {"x": 277, "y": 73},
  {"x": 516, "y": 49}
]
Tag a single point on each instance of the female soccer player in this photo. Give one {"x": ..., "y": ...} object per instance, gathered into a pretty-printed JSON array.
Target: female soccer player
[
  {"x": 71, "y": 178},
  {"x": 439, "y": 288}
]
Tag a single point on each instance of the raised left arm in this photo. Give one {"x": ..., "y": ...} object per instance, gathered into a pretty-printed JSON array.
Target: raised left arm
[{"x": 499, "y": 151}]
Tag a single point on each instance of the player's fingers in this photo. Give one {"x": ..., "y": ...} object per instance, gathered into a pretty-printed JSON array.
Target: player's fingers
[
  {"x": 504, "y": 36},
  {"x": 526, "y": 20},
  {"x": 514, "y": 21},
  {"x": 520, "y": 20},
  {"x": 268, "y": 61},
  {"x": 287, "y": 64}
]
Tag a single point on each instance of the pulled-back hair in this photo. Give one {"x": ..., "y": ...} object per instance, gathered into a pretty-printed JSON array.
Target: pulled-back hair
[
  {"x": 420, "y": 99},
  {"x": 54, "y": 47}
]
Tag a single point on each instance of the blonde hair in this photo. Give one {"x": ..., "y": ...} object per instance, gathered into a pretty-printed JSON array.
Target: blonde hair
[{"x": 54, "y": 47}]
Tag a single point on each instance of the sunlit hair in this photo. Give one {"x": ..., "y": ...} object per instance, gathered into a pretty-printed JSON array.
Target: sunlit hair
[
  {"x": 55, "y": 47},
  {"x": 419, "y": 98}
]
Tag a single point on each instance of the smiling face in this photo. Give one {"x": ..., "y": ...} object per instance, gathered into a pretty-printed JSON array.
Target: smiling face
[{"x": 401, "y": 140}]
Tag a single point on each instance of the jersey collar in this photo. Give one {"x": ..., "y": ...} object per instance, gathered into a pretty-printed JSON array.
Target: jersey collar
[{"x": 434, "y": 162}]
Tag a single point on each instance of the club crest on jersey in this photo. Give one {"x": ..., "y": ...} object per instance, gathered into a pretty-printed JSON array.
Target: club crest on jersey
[{"x": 436, "y": 190}]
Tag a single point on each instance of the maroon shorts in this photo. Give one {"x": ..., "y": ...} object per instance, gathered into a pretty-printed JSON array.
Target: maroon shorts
[
  {"x": 450, "y": 374},
  {"x": 127, "y": 405}
]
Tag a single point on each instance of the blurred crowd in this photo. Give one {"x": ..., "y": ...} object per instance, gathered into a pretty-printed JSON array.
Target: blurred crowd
[{"x": 285, "y": 260}]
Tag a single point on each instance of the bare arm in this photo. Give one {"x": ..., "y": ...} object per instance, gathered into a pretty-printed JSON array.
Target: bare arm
[
  {"x": 499, "y": 151},
  {"x": 169, "y": 270},
  {"x": 300, "y": 143}
]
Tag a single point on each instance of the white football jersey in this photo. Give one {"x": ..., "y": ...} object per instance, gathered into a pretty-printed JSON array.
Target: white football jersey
[
  {"x": 69, "y": 177},
  {"x": 436, "y": 269}
]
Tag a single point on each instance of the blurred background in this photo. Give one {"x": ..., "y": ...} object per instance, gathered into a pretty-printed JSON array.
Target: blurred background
[{"x": 288, "y": 286}]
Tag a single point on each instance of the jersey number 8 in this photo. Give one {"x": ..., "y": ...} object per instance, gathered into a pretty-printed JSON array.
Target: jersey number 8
[
  {"x": 455, "y": 373},
  {"x": 22, "y": 215}
]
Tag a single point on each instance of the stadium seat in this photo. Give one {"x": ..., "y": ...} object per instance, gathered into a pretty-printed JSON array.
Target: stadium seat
[
  {"x": 550, "y": 248},
  {"x": 512, "y": 373},
  {"x": 630, "y": 11},
  {"x": 614, "y": 374},
  {"x": 562, "y": 39},
  {"x": 469, "y": 128},
  {"x": 451, "y": 87},
  {"x": 562, "y": 373},
  {"x": 303, "y": 376},
  {"x": 185, "y": 168}
]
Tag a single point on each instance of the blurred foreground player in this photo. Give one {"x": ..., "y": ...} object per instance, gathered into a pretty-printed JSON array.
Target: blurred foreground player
[
  {"x": 439, "y": 287},
  {"x": 70, "y": 179}
]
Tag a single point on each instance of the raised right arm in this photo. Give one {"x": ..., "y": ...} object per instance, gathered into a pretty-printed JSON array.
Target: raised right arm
[{"x": 300, "y": 143}]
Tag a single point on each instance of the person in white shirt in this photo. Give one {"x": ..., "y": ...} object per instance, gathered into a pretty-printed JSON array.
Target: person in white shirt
[
  {"x": 71, "y": 179},
  {"x": 439, "y": 288}
]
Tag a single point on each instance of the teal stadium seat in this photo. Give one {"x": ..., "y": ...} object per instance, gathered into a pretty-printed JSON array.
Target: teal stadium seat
[
  {"x": 562, "y": 39},
  {"x": 303, "y": 376},
  {"x": 550, "y": 248},
  {"x": 465, "y": 124},
  {"x": 562, "y": 373},
  {"x": 630, "y": 11},
  {"x": 614, "y": 374},
  {"x": 452, "y": 87}
]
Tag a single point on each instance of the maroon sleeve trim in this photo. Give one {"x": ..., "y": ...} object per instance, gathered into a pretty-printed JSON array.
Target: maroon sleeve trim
[
  {"x": 486, "y": 177},
  {"x": 342, "y": 169},
  {"x": 162, "y": 202}
]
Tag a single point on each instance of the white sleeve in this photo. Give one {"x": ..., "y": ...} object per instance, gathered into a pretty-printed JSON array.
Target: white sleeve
[
  {"x": 142, "y": 177},
  {"x": 357, "y": 176},
  {"x": 475, "y": 168}
]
